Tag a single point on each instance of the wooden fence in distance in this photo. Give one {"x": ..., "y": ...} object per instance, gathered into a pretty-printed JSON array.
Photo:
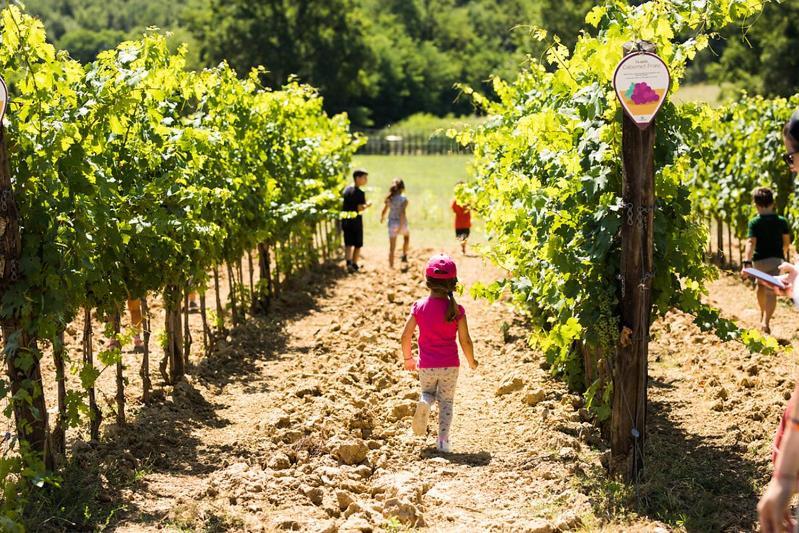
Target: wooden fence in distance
[{"x": 383, "y": 142}]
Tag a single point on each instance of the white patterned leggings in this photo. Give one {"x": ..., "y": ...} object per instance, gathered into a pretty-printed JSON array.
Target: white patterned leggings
[{"x": 439, "y": 384}]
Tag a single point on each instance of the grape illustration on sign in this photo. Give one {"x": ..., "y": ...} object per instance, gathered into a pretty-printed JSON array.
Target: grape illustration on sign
[{"x": 641, "y": 82}]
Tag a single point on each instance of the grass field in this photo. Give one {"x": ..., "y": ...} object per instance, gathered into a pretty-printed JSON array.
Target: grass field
[
  {"x": 429, "y": 184},
  {"x": 707, "y": 93}
]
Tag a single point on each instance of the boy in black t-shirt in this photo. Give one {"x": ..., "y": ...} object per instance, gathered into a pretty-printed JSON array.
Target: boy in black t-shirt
[
  {"x": 766, "y": 249},
  {"x": 354, "y": 202}
]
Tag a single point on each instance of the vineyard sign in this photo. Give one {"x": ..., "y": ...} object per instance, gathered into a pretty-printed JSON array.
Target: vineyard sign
[{"x": 641, "y": 81}]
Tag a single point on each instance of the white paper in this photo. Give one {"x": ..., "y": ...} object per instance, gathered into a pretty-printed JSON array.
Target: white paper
[{"x": 766, "y": 277}]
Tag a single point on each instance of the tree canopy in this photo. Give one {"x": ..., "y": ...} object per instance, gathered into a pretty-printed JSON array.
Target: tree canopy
[
  {"x": 383, "y": 60},
  {"x": 378, "y": 60}
]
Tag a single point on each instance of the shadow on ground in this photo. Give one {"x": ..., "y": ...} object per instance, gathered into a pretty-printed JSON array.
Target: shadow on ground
[
  {"x": 698, "y": 483},
  {"x": 467, "y": 459},
  {"x": 98, "y": 480}
]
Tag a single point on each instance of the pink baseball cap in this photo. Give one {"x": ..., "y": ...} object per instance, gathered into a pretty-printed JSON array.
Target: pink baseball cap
[{"x": 441, "y": 266}]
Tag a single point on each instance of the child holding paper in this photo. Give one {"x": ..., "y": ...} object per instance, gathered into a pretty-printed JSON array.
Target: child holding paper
[{"x": 766, "y": 249}]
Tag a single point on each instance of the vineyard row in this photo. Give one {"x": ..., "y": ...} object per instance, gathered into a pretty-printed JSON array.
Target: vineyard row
[{"x": 129, "y": 177}]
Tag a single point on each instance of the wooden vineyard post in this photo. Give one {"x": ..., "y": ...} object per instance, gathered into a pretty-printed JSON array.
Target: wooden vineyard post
[
  {"x": 120, "y": 375},
  {"x": 252, "y": 272},
  {"x": 186, "y": 329},
  {"x": 174, "y": 337},
  {"x": 20, "y": 350},
  {"x": 144, "y": 372},
  {"x": 628, "y": 419},
  {"x": 262, "y": 300},
  {"x": 232, "y": 295},
  {"x": 95, "y": 415},
  {"x": 220, "y": 311},
  {"x": 729, "y": 244},
  {"x": 204, "y": 319},
  {"x": 60, "y": 430}
]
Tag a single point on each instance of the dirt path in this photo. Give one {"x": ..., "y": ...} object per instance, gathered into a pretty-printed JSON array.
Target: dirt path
[
  {"x": 714, "y": 407},
  {"x": 301, "y": 421}
]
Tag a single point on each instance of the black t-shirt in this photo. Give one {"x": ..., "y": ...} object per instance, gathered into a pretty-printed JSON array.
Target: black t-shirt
[
  {"x": 768, "y": 230},
  {"x": 353, "y": 197}
]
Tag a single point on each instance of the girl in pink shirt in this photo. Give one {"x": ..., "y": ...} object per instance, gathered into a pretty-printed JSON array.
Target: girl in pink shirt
[{"x": 440, "y": 319}]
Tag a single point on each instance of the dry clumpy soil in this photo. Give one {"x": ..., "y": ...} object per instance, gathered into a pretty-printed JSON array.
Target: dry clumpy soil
[{"x": 301, "y": 421}]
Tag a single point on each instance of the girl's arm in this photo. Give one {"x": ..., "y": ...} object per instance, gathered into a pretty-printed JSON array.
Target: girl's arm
[
  {"x": 466, "y": 342},
  {"x": 403, "y": 217},
  {"x": 407, "y": 342},
  {"x": 773, "y": 506},
  {"x": 383, "y": 214}
]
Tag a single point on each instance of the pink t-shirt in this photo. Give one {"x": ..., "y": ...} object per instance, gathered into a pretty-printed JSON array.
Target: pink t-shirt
[{"x": 437, "y": 346}]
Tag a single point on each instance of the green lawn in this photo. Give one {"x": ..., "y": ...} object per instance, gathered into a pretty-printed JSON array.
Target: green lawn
[
  {"x": 708, "y": 93},
  {"x": 429, "y": 184}
]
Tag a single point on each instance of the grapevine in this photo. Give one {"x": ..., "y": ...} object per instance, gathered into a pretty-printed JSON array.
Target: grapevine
[
  {"x": 548, "y": 181},
  {"x": 134, "y": 176}
]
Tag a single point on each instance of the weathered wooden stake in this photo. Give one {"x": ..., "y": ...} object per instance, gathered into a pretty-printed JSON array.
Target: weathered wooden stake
[
  {"x": 24, "y": 369},
  {"x": 628, "y": 421},
  {"x": 144, "y": 372},
  {"x": 252, "y": 271},
  {"x": 729, "y": 243},
  {"x": 262, "y": 300},
  {"x": 120, "y": 375},
  {"x": 220, "y": 311},
  {"x": 234, "y": 313},
  {"x": 174, "y": 335},
  {"x": 204, "y": 318},
  {"x": 95, "y": 415},
  {"x": 186, "y": 329},
  {"x": 60, "y": 428}
]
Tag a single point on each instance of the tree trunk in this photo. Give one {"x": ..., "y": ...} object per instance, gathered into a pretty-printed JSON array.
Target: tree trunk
[
  {"x": 720, "y": 240},
  {"x": 145, "y": 361},
  {"x": 628, "y": 422}
]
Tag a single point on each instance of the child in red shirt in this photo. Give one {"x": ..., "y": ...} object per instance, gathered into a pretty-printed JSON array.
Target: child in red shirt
[{"x": 463, "y": 223}]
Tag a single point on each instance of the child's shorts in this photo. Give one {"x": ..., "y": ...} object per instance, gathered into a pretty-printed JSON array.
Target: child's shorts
[
  {"x": 353, "y": 231},
  {"x": 462, "y": 233},
  {"x": 769, "y": 265},
  {"x": 396, "y": 229}
]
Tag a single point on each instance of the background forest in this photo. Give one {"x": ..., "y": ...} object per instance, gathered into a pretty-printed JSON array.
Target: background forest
[{"x": 384, "y": 60}]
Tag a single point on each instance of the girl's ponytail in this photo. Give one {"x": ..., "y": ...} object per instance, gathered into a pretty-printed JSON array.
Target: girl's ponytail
[
  {"x": 446, "y": 287},
  {"x": 452, "y": 310},
  {"x": 397, "y": 186}
]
